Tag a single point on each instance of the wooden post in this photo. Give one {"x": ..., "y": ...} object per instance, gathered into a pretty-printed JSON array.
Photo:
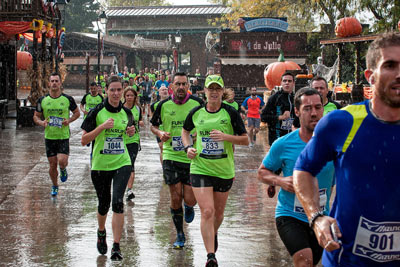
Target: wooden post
[
  {"x": 357, "y": 92},
  {"x": 339, "y": 69},
  {"x": 43, "y": 60},
  {"x": 87, "y": 72}
]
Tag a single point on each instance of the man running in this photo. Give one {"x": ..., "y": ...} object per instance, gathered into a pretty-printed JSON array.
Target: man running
[
  {"x": 171, "y": 114},
  {"x": 252, "y": 106},
  {"x": 320, "y": 84},
  {"x": 291, "y": 221},
  {"x": 55, "y": 107},
  {"x": 90, "y": 100},
  {"x": 363, "y": 141}
]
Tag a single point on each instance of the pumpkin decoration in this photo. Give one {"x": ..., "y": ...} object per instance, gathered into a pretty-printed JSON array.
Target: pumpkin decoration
[
  {"x": 346, "y": 27},
  {"x": 273, "y": 72},
  {"x": 24, "y": 60}
]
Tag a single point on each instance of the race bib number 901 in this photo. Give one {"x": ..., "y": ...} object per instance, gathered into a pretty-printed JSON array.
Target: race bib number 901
[
  {"x": 113, "y": 145},
  {"x": 378, "y": 241},
  {"x": 55, "y": 121}
]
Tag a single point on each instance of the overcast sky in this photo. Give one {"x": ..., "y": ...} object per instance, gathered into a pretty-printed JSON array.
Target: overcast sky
[{"x": 188, "y": 2}]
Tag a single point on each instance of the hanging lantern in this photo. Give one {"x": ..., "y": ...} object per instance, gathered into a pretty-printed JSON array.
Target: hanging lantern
[
  {"x": 273, "y": 72},
  {"x": 24, "y": 60}
]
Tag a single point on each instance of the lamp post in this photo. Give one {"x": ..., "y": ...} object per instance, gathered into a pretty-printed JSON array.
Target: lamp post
[
  {"x": 178, "y": 40},
  {"x": 103, "y": 21},
  {"x": 61, "y": 7}
]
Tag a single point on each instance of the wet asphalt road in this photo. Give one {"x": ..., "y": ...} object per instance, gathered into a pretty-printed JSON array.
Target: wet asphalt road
[{"x": 37, "y": 230}]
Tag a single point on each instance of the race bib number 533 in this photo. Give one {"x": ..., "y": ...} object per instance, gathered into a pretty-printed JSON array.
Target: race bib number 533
[{"x": 378, "y": 241}]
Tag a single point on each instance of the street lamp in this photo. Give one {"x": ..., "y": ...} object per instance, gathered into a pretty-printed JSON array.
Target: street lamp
[
  {"x": 60, "y": 4},
  {"x": 178, "y": 40},
  {"x": 103, "y": 21}
]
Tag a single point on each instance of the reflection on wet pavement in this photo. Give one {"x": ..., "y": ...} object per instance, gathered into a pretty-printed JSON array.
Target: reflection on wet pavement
[{"x": 37, "y": 230}]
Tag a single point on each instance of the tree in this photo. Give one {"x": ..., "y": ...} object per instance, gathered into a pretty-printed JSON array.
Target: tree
[
  {"x": 79, "y": 15},
  {"x": 136, "y": 2},
  {"x": 386, "y": 13}
]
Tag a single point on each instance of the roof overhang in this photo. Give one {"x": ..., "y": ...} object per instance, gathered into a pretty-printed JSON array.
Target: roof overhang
[{"x": 257, "y": 61}]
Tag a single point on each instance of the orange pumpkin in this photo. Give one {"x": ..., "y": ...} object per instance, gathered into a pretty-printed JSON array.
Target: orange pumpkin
[
  {"x": 273, "y": 72},
  {"x": 24, "y": 60},
  {"x": 346, "y": 27}
]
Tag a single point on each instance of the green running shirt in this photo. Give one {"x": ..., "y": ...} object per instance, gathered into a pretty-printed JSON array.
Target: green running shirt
[
  {"x": 234, "y": 104},
  {"x": 109, "y": 148},
  {"x": 172, "y": 116},
  {"x": 137, "y": 116},
  {"x": 90, "y": 101},
  {"x": 214, "y": 158},
  {"x": 55, "y": 110}
]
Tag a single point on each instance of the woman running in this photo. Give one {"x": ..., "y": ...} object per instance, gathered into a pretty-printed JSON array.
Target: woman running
[{"x": 218, "y": 127}]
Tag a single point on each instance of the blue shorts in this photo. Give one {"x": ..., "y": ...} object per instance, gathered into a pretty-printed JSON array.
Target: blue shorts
[{"x": 253, "y": 122}]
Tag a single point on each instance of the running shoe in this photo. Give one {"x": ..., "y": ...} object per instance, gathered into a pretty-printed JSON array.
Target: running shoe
[
  {"x": 101, "y": 242},
  {"x": 212, "y": 262},
  {"x": 54, "y": 190},
  {"x": 63, "y": 175},
  {"x": 116, "y": 254},
  {"x": 216, "y": 242},
  {"x": 180, "y": 241},
  {"x": 130, "y": 195},
  {"x": 251, "y": 144},
  {"x": 189, "y": 214}
]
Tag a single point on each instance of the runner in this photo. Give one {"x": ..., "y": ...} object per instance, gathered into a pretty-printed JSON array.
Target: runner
[
  {"x": 109, "y": 124},
  {"x": 218, "y": 127},
  {"x": 133, "y": 143},
  {"x": 90, "y": 100},
  {"x": 163, "y": 92},
  {"x": 252, "y": 106},
  {"x": 55, "y": 107},
  {"x": 171, "y": 114},
  {"x": 229, "y": 98},
  {"x": 291, "y": 221},
  {"x": 363, "y": 141},
  {"x": 320, "y": 84}
]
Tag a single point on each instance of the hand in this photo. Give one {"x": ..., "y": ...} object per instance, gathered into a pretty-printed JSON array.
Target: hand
[
  {"x": 85, "y": 112},
  {"x": 191, "y": 152},
  {"x": 164, "y": 136},
  {"x": 322, "y": 229},
  {"x": 285, "y": 115},
  {"x": 108, "y": 124},
  {"x": 286, "y": 183},
  {"x": 141, "y": 123},
  {"x": 45, "y": 123},
  {"x": 130, "y": 131},
  {"x": 217, "y": 135},
  {"x": 65, "y": 122}
]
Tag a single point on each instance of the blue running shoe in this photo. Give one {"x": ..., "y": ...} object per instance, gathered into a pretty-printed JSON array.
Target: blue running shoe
[
  {"x": 189, "y": 214},
  {"x": 180, "y": 241},
  {"x": 63, "y": 175},
  {"x": 54, "y": 191}
]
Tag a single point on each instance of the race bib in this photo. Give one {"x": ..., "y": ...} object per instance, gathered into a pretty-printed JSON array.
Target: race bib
[
  {"x": 113, "y": 145},
  {"x": 55, "y": 121},
  {"x": 287, "y": 124},
  {"x": 322, "y": 202},
  {"x": 177, "y": 144},
  {"x": 211, "y": 147},
  {"x": 378, "y": 241}
]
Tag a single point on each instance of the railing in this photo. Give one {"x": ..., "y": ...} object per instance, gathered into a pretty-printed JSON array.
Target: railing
[{"x": 25, "y": 9}]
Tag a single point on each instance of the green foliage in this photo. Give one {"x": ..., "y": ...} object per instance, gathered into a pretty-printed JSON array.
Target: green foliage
[
  {"x": 79, "y": 15},
  {"x": 386, "y": 13}
]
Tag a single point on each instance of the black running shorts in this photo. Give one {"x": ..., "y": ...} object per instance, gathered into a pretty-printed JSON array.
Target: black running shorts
[
  {"x": 175, "y": 172},
  {"x": 133, "y": 150},
  {"x": 297, "y": 235},
  {"x": 218, "y": 184},
  {"x": 54, "y": 147}
]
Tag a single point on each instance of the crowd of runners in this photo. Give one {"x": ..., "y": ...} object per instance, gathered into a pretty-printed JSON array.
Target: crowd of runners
[{"x": 314, "y": 148}]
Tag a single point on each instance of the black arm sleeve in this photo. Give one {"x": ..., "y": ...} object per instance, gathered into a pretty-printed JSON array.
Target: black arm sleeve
[
  {"x": 72, "y": 103},
  {"x": 269, "y": 112},
  {"x": 189, "y": 125},
  {"x": 152, "y": 107},
  {"x": 89, "y": 124},
  {"x": 140, "y": 113},
  {"x": 236, "y": 120},
  {"x": 83, "y": 101},
  {"x": 39, "y": 105},
  {"x": 156, "y": 119}
]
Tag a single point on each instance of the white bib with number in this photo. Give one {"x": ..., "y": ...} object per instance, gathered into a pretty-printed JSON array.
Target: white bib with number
[
  {"x": 113, "y": 145},
  {"x": 55, "y": 121},
  {"x": 287, "y": 124},
  {"x": 322, "y": 202},
  {"x": 211, "y": 147},
  {"x": 378, "y": 241},
  {"x": 177, "y": 144}
]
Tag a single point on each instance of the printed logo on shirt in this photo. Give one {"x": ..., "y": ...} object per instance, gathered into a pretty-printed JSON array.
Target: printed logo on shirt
[
  {"x": 173, "y": 113},
  {"x": 224, "y": 121}
]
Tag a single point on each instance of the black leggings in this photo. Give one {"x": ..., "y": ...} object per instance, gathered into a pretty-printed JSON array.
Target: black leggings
[{"x": 102, "y": 183}]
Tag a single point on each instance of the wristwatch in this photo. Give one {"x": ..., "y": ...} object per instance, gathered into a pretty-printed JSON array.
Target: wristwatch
[
  {"x": 314, "y": 216},
  {"x": 187, "y": 147}
]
